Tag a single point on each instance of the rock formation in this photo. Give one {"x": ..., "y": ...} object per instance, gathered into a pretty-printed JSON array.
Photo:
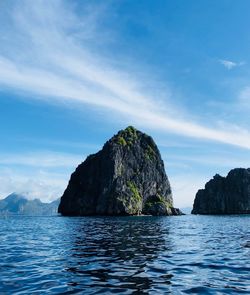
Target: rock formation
[
  {"x": 126, "y": 177},
  {"x": 225, "y": 195}
]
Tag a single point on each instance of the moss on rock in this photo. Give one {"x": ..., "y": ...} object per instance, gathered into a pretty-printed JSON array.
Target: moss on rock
[
  {"x": 127, "y": 136},
  {"x": 150, "y": 153},
  {"x": 157, "y": 203},
  {"x": 121, "y": 141},
  {"x": 135, "y": 200}
]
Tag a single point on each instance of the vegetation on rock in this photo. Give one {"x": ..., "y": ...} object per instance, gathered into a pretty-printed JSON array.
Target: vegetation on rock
[
  {"x": 153, "y": 204},
  {"x": 121, "y": 179},
  {"x": 127, "y": 137},
  {"x": 121, "y": 141},
  {"x": 149, "y": 153},
  {"x": 136, "y": 199}
]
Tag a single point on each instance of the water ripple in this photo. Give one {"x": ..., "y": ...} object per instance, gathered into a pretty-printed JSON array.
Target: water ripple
[{"x": 126, "y": 255}]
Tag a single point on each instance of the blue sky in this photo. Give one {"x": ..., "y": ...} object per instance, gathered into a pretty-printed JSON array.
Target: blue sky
[{"x": 72, "y": 73}]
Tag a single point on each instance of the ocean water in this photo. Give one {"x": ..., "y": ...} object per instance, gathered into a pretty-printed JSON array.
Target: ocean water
[{"x": 125, "y": 255}]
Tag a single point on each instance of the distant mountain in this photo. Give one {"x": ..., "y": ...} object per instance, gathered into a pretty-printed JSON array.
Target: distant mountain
[{"x": 16, "y": 204}]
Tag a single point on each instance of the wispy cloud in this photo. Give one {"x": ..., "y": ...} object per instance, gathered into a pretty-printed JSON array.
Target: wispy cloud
[
  {"x": 47, "y": 186},
  {"x": 244, "y": 97},
  {"x": 220, "y": 160},
  {"x": 38, "y": 174},
  {"x": 42, "y": 159},
  {"x": 79, "y": 145},
  {"x": 56, "y": 63},
  {"x": 228, "y": 64}
]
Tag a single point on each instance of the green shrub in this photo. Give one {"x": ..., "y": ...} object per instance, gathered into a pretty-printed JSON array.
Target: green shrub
[
  {"x": 158, "y": 199},
  {"x": 136, "y": 199},
  {"x": 150, "y": 153},
  {"x": 121, "y": 141}
]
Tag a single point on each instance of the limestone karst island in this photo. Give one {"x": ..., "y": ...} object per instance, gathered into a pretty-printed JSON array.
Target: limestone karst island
[
  {"x": 127, "y": 177},
  {"x": 225, "y": 195}
]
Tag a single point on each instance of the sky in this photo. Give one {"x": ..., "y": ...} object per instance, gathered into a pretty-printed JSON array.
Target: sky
[{"x": 73, "y": 73}]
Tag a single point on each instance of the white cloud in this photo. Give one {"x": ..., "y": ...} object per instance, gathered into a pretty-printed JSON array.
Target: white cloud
[
  {"x": 244, "y": 97},
  {"x": 218, "y": 160},
  {"x": 56, "y": 65},
  {"x": 39, "y": 174},
  {"x": 80, "y": 145},
  {"x": 45, "y": 185},
  {"x": 230, "y": 64},
  {"x": 42, "y": 159}
]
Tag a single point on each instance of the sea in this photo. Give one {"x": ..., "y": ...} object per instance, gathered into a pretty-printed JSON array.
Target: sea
[{"x": 125, "y": 255}]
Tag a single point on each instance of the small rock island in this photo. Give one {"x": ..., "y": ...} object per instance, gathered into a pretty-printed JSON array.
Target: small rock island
[
  {"x": 225, "y": 195},
  {"x": 127, "y": 177}
]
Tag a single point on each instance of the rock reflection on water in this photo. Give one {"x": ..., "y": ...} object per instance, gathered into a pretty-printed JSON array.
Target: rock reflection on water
[{"x": 120, "y": 254}]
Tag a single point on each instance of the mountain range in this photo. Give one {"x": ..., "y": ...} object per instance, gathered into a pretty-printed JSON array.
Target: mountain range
[{"x": 17, "y": 204}]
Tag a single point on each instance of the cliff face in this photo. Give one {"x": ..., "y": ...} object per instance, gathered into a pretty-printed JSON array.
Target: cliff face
[
  {"x": 225, "y": 195},
  {"x": 126, "y": 177}
]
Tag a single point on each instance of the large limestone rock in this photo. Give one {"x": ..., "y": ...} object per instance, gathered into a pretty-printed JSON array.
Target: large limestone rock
[
  {"x": 126, "y": 177},
  {"x": 225, "y": 195}
]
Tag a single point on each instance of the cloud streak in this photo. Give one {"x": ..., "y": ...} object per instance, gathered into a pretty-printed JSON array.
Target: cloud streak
[
  {"x": 56, "y": 64},
  {"x": 42, "y": 160},
  {"x": 228, "y": 64}
]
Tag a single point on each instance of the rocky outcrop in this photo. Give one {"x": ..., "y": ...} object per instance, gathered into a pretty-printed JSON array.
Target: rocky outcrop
[
  {"x": 126, "y": 177},
  {"x": 225, "y": 195}
]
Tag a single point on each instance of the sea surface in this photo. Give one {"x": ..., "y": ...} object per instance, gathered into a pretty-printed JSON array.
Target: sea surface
[{"x": 125, "y": 255}]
